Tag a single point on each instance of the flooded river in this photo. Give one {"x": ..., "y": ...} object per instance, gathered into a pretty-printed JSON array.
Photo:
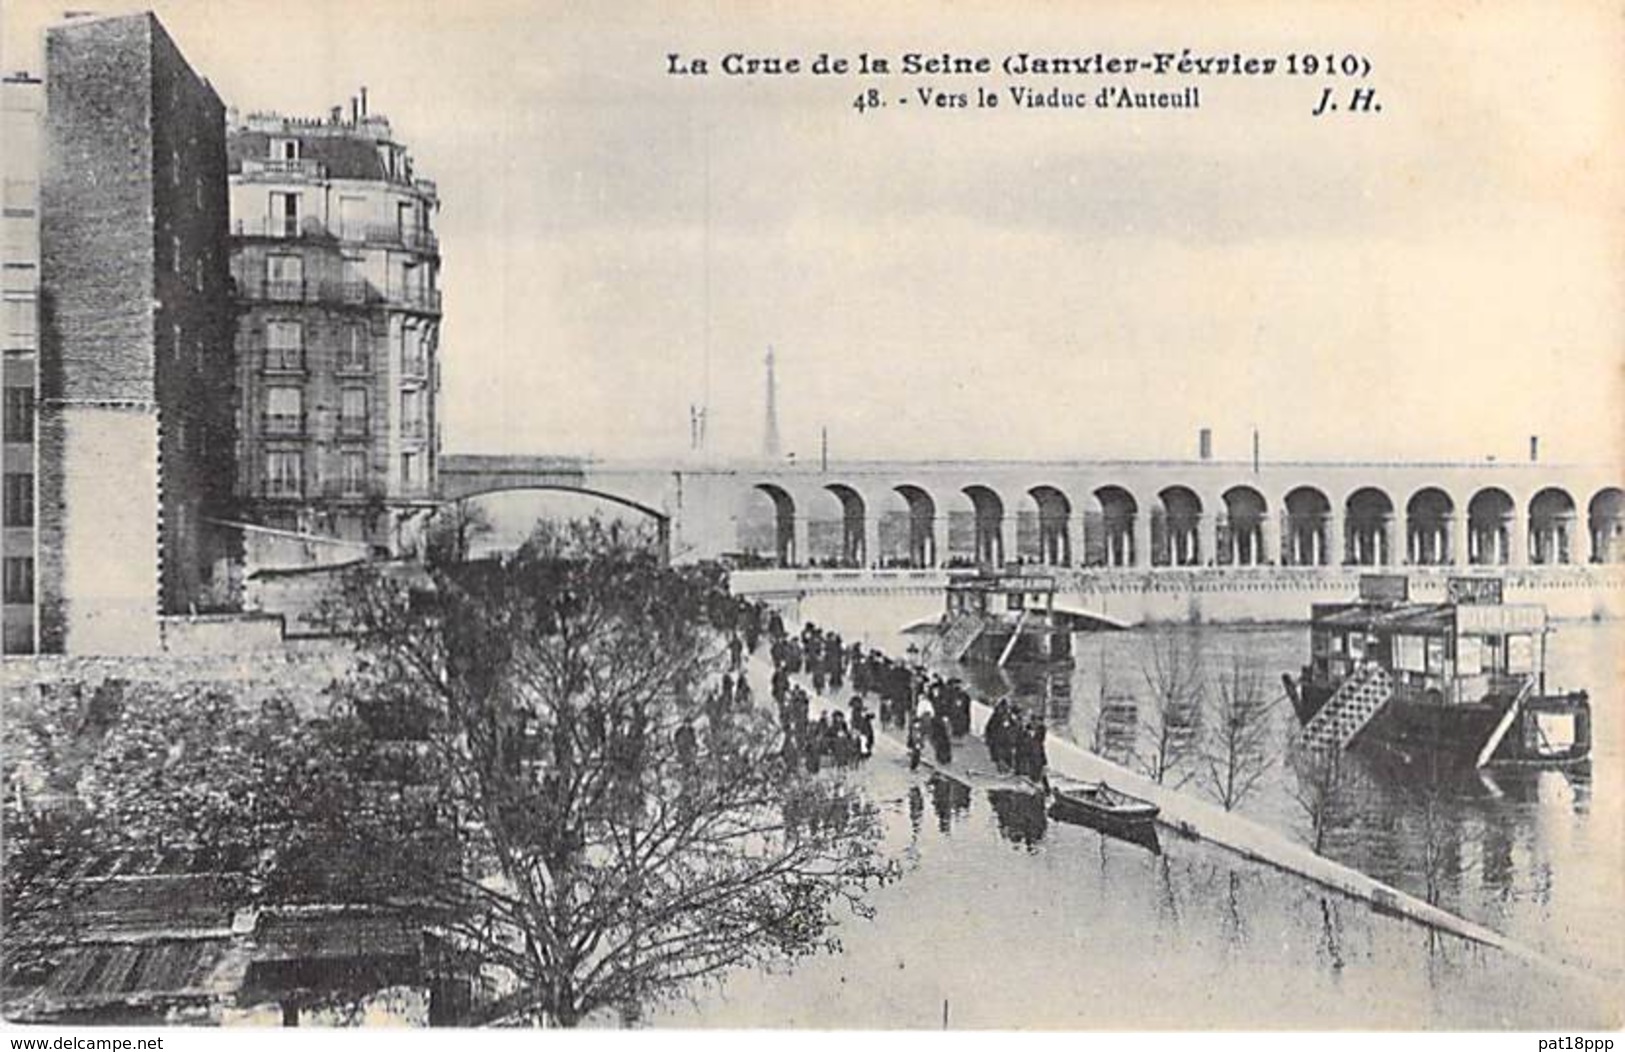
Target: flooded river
[{"x": 1016, "y": 920}]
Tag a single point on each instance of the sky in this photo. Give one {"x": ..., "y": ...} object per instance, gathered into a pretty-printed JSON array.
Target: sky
[{"x": 1437, "y": 281}]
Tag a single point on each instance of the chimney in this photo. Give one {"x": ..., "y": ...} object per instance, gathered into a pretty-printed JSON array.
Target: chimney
[
  {"x": 1534, "y": 448},
  {"x": 355, "y": 110},
  {"x": 1204, "y": 443},
  {"x": 334, "y": 114},
  {"x": 363, "y": 100}
]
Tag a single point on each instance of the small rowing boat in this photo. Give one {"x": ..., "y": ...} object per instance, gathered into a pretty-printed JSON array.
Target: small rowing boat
[{"x": 1096, "y": 803}]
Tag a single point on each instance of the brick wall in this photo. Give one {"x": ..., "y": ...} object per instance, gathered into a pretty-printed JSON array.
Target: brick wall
[{"x": 136, "y": 326}]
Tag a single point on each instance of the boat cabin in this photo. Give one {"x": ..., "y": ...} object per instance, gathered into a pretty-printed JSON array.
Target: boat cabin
[{"x": 1467, "y": 649}]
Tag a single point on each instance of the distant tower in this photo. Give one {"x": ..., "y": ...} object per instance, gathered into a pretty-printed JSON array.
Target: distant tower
[{"x": 770, "y": 440}]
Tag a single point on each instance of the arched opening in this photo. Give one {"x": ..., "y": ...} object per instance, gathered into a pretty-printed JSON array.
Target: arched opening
[
  {"x": 914, "y": 540},
  {"x": 1429, "y": 515},
  {"x": 1109, "y": 531},
  {"x": 1490, "y": 521},
  {"x": 766, "y": 525},
  {"x": 851, "y": 547},
  {"x": 987, "y": 539},
  {"x": 1243, "y": 542},
  {"x": 1551, "y": 528},
  {"x": 1369, "y": 518},
  {"x": 1176, "y": 532},
  {"x": 1309, "y": 540},
  {"x": 488, "y": 522},
  {"x": 1607, "y": 522},
  {"x": 1049, "y": 541}
]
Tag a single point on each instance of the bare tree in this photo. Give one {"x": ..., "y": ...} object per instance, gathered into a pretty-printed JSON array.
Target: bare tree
[
  {"x": 1236, "y": 752},
  {"x": 1172, "y": 670},
  {"x": 455, "y": 528},
  {"x": 612, "y": 845},
  {"x": 1321, "y": 788}
]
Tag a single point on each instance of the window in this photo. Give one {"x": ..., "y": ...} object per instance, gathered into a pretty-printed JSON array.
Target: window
[
  {"x": 19, "y": 497},
  {"x": 284, "y": 345},
  {"x": 175, "y": 254},
  {"x": 353, "y": 351},
  {"x": 19, "y": 583},
  {"x": 353, "y": 411},
  {"x": 22, "y": 326},
  {"x": 284, "y": 410},
  {"x": 284, "y": 474},
  {"x": 197, "y": 273},
  {"x": 19, "y": 414},
  {"x": 285, "y": 149},
  {"x": 410, "y": 469},
  {"x": 285, "y": 278},
  {"x": 354, "y": 477},
  {"x": 412, "y": 414},
  {"x": 283, "y": 218}
]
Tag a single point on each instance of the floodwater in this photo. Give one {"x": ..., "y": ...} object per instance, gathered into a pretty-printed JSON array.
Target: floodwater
[{"x": 1006, "y": 918}]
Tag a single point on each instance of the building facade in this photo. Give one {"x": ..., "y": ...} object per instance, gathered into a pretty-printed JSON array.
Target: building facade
[
  {"x": 336, "y": 265},
  {"x": 134, "y": 412},
  {"x": 22, "y": 100}
]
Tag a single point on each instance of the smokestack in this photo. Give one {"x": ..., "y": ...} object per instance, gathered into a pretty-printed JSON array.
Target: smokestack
[
  {"x": 1204, "y": 443},
  {"x": 355, "y": 110},
  {"x": 363, "y": 100},
  {"x": 1534, "y": 448},
  {"x": 1255, "y": 451}
]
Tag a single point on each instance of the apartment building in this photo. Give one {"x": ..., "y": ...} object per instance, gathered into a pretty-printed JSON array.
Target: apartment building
[{"x": 336, "y": 265}]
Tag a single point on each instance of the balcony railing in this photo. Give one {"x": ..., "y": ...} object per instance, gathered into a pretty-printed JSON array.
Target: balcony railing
[
  {"x": 414, "y": 429},
  {"x": 281, "y": 227},
  {"x": 419, "y": 239},
  {"x": 350, "y": 293},
  {"x": 415, "y": 366},
  {"x": 283, "y": 487},
  {"x": 352, "y": 427},
  {"x": 418, "y": 299},
  {"x": 284, "y": 424},
  {"x": 284, "y": 359},
  {"x": 353, "y": 489},
  {"x": 282, "y": 169}
]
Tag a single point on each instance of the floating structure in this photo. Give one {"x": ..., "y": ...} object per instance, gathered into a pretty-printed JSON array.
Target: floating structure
[
  {"x": 1463, "y": 680},
  {"x": 994, "y": 618}
]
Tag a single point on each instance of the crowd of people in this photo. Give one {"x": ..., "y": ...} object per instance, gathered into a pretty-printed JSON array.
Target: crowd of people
[{"x": 932, "y": 710}]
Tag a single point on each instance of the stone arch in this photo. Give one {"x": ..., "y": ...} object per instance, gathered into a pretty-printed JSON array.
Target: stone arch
[
  {"x": 1551, "y": 527},
  {"x": 1310, "y": 530},
  {"x": 1491, "y": 519},
  {"x": 1244, "y": 540},
  {"x": 987, "y": 509},
  {"x": 1429, "y": 516},
  {"x": 1368, "y": 527},
  {"x": 854, "y": 545},
  {"x": 926, "y": 543},
  {"x": 784, "y": 549},
  {"x": 1118, "y": 514},
  {"x": 1179, "y": 540},
  {"x": 1606, "y": 519},
  {"x": 1053, "y": 537}
]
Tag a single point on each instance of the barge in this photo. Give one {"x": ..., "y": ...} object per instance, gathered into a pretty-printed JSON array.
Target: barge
[{"x": 1463, "y": 680}]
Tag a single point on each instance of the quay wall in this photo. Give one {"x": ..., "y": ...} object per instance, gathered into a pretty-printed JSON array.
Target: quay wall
[{"x": 1196, "y": 596}]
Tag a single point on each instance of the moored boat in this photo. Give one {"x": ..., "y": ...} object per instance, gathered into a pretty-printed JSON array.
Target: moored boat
[
  {"x": 1097, "y": 802},
  {"x": 1463, "y": 679}
]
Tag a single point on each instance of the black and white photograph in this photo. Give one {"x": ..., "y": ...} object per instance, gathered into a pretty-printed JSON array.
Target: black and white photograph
[{"x": 727, "y": 516}]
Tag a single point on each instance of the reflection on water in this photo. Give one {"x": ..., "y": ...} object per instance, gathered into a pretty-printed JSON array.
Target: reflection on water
[
  {"x": 1081, "y": 930},
  {"x": 1535, "y": 853},
  {"x": 1021, "y": 816}
]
